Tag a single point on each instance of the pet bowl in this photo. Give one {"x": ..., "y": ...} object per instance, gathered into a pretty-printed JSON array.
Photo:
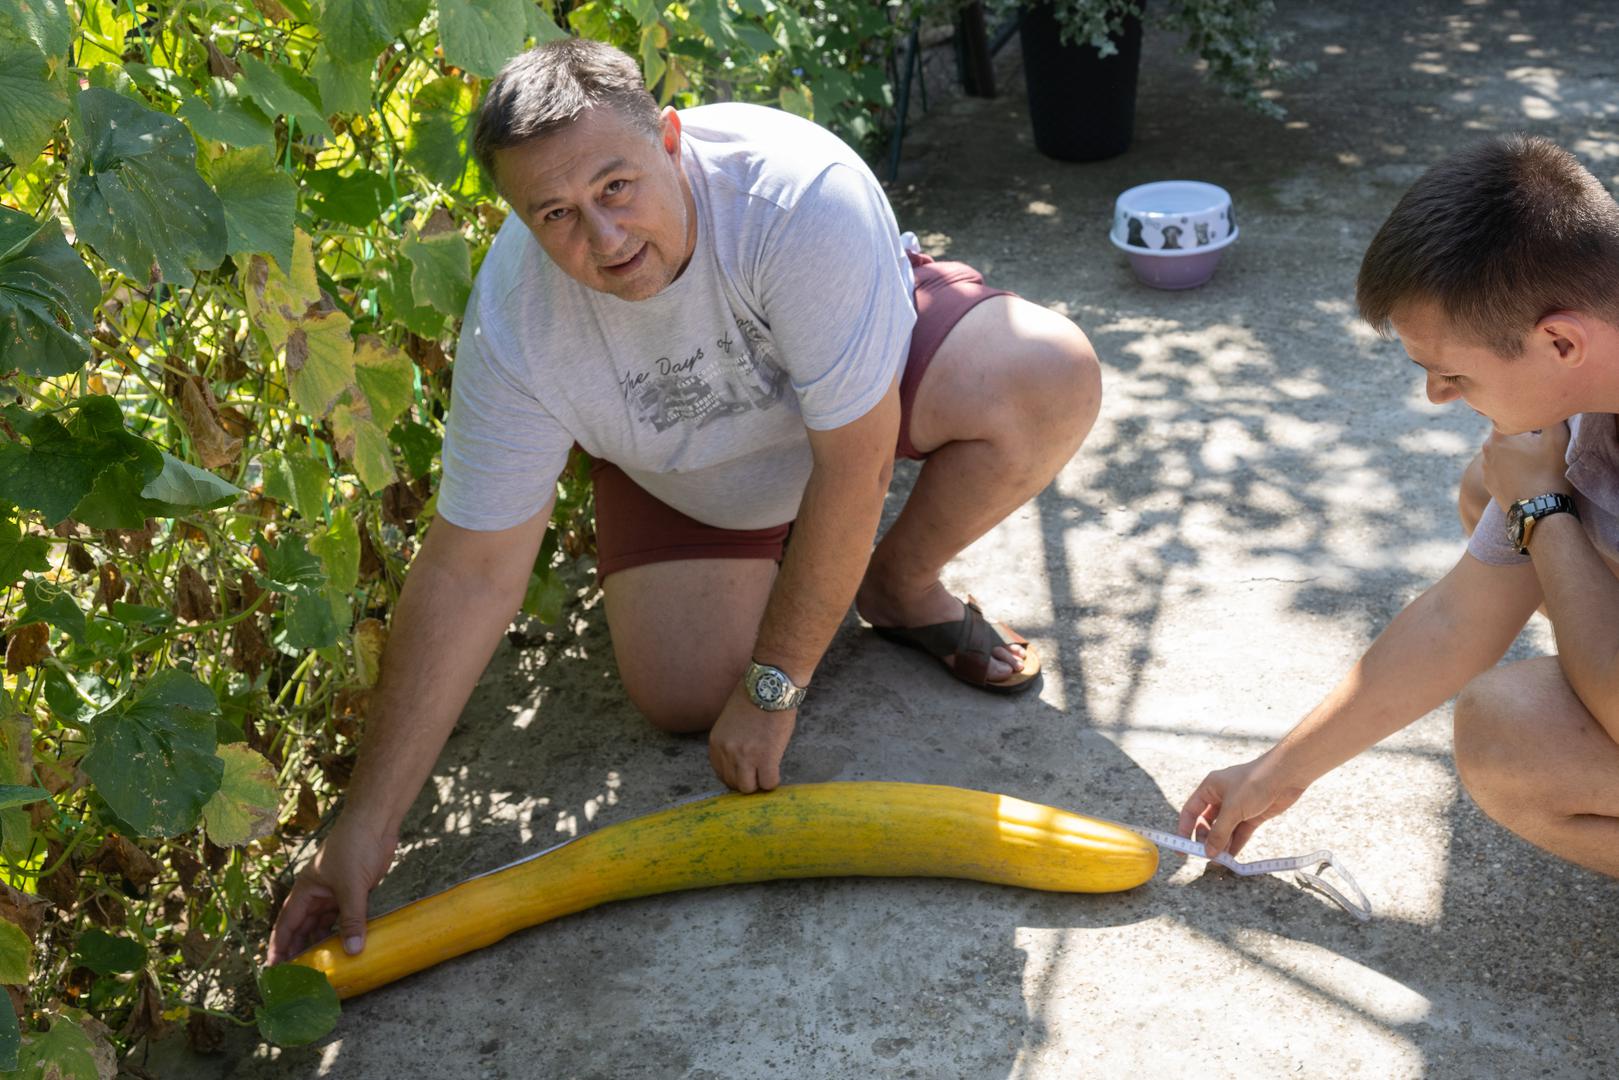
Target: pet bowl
[{"x": 1174, "y": 231}]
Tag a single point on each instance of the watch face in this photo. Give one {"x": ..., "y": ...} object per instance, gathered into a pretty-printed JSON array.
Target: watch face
[
  {"x": 1515, "y": 530},
  {"x": 769, "y": 687}
]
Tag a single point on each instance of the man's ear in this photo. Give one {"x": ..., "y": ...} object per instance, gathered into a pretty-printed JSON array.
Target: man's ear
[
  {"x": 670, "y": 136},
  {"x": 1566, "y": 334}
]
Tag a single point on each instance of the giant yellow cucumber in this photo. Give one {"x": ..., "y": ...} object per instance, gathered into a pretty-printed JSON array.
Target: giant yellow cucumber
[{"x": 862, "y": 829}]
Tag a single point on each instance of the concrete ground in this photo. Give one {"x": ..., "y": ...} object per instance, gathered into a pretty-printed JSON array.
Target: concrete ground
[{"x": 1266, "y": 487}]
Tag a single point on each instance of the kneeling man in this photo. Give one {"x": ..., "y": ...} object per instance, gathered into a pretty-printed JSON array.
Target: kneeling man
[{"x": 718, "y": 306}]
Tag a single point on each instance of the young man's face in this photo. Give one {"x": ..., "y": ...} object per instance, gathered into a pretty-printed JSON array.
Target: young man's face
[
  {"x": 609, "y": 205},
  {"x": 1517, "y": 394}
]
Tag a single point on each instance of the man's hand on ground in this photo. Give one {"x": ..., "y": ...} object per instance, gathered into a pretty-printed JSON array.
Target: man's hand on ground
[
  {"x": 333, "y": 888},
  {"x": 1232, "y": 803},
  {"x": 746, "y": 744}
]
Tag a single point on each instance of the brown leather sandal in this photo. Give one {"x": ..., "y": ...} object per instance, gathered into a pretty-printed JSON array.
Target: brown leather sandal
[{"x": 969, "y": 641}]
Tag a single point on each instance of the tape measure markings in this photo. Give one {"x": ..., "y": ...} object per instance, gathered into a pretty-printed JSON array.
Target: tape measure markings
[{"x": 1357, "y": 904}]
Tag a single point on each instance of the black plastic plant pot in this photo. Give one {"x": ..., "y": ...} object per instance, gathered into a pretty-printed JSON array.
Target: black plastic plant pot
[{"x": 1082, "y": 106}]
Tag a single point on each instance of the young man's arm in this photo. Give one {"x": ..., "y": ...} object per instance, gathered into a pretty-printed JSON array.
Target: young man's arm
[
  {"x": 831, "y": 545},
  {"x": 1581, "y": 591},
  {"x": 1442, "y": 639},
  {"x": 460, "y": 595},
  {"x": 1582, "y": 601}
]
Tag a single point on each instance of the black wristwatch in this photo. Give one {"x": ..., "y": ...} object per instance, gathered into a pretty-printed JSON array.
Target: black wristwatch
[{"x": 1522, "y": 515}]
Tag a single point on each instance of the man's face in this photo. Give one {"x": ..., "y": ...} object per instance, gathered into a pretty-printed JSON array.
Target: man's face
[
  {"x": 609, "y": 204},
  {"x": 1517, "y": 394}
]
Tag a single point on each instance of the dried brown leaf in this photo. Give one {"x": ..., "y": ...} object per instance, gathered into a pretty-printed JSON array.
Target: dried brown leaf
[
  {"x": 25, "y": 909},
  {"x": 193, "y": 599},
  {"x": 232, "y": 367},
  {"x": 235, "y": 422},
  {"x": 306, "y": 817},
  {"x": 400, "y": 504},
  {"x": 205, "y": 1034},
  {"x": 370, "y": 562},
  {"x": 27, "y": 646},
  {"x": 186, "y": 865},
  {"x": 105, "y": 909},
  {"x": 439, "y": 221},
  {"x": 119, "y": 855},
  {"x": 349, "y": 710},
  {"x": 79, "y": 559},
  {"x": 215, "y": 447},
  {"x": 250, "y": 651},
  {"x": 428, "y": 354},
  {"x": 133, "y": 541},
  {"x": 492, "y": 216},
  {"x": 146, "y": 1018},
  {"x": 337, "y": 768},
  {"x": 220, "y": 65},
  {"x": 111, "y": 586},
  {"x": 197, "y": 948},
  {"x": 56, "y": 777}
]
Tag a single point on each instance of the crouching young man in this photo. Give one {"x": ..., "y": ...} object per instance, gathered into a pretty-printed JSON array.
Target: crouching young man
[{"x": 1499, "y": 271}]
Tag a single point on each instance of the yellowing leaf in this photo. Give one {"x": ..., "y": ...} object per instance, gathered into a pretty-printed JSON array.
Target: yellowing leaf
[
  {"x": 338, "y": 545},
  {"x": 370, "y": 638},
  {"x": 275, "y": 300},
  {"x": 16, "y": 954},
  {"x": 244, "y": 807},
  {"x": 320, "y": 361},
  {"x": 364, "y": 445},
  {"x": 387, "y": 378}
]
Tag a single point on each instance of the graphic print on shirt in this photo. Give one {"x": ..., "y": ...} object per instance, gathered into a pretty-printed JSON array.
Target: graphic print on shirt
[{"x": 728, "y": 378}]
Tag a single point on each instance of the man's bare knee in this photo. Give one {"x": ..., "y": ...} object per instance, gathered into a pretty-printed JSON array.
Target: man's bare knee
[
  {"x": 1058, "y": 386},
  {"x": 1481, "y": 760},
  {"x": 680, "y": 710}
]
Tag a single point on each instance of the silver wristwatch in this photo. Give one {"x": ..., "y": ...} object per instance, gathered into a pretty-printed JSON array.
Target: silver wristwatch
[{"x": 770, "y": 689}]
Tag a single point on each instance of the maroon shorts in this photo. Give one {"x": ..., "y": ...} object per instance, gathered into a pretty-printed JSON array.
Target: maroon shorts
[{"x": 634, "y": 529}]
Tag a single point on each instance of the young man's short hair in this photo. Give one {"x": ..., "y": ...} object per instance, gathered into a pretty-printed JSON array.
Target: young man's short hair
[
  {"x": 548, "y": 86},
  {"x": 1498, "y": 235}
]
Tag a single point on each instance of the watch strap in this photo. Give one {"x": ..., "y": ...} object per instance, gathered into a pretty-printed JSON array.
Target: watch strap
[
  {"x": 1523, "y": 514},
  {"x": 770, "y": 688}
]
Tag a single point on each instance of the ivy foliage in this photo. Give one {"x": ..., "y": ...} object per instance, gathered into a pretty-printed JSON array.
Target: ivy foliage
[
  {"x": 1237, "y": 40},
  {"x": 236, "y": 240}
]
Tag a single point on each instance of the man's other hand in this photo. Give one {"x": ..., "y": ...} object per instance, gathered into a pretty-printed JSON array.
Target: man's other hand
[
  {"x": 1231, "y": 803},
  {"x": 333, "y": 889},
  {"x": 1523, "y": 466},
  {"x": 746, "y": 744}
]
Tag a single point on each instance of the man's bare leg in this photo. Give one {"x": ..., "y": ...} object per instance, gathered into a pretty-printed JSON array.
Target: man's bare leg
[
  {"x": 1535, "y": 760},
  {"x": 683, "y": 633},
  {"x": 1007, "y": 400}
]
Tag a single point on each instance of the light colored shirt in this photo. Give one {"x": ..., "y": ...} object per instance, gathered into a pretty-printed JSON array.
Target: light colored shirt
[{"x": 794, "y": 313}]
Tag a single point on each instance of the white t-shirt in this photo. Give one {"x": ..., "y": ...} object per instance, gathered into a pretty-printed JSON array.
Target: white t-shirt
[{"x": 794, "y": 312}]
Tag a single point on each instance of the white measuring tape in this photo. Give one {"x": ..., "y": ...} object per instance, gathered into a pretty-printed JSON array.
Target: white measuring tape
[{"x": 1308, "y": 869}]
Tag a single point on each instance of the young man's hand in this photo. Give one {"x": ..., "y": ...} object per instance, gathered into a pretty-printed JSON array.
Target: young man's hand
[
  {"x": 1523, "y": 466},
  {"x": 746, "y": 744},
  {"x": 333, "y": 888},
  {"x": 1232, "y": 803}
]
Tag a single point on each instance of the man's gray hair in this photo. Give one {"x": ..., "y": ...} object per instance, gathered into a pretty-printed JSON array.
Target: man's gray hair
[{"x": 548, "y": 86}]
